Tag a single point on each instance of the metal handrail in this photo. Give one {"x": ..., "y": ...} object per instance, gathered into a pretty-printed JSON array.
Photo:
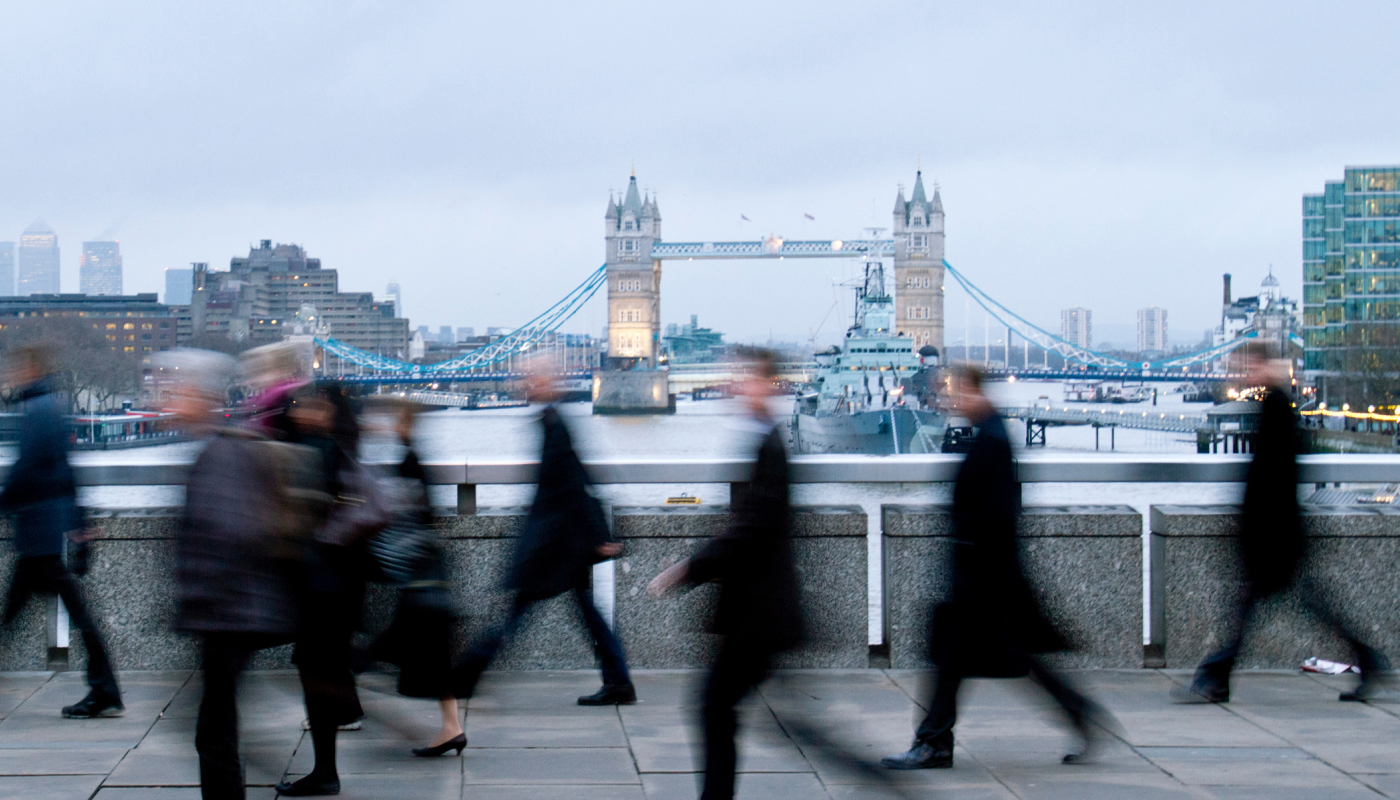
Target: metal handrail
[{"x": 1032, "y": 468}]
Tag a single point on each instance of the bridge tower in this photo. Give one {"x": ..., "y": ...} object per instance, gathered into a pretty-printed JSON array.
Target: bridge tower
[
  {"x": 634, "y": 280},
  {"x": 918, "y": 265}
]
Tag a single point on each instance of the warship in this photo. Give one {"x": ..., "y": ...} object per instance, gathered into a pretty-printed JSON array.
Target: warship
[{"x": 871, "y": 394}]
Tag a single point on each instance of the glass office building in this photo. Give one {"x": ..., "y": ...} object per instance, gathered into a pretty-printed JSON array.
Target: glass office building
[{"x": 1351, "y": 286}]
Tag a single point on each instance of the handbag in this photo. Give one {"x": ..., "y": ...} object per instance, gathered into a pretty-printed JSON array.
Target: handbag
[{"x": 360, "y": 509}]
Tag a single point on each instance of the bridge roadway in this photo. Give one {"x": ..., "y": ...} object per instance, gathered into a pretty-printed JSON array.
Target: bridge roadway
[{"x": 687, "y": 377}]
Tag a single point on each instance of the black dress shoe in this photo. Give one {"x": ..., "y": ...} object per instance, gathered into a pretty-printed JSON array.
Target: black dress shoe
[
  {"x": 1201, "y": 692},
  {"x": 1369, "y": 689},
  {"x": 612, "y": 694},
  {"x": 95, "y": 705},
  {"x": 457, "y": 743},
  {"x": 921, "y": 756},
  {"x": 309, "y": 786}
]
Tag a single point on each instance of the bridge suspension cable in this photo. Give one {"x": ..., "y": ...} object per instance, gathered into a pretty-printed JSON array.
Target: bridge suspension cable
[
  {"x": 1071, "y": 352},
  {"x": 516, "y": 342}
]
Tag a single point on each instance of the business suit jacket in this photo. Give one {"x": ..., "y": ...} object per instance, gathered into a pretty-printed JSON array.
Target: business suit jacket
[
  {"x": 759, "y": 603},
  {"x": 1271, "y": 533},
  {"x": 566, "y": 525},
  {"x": 989, "y": 622}
]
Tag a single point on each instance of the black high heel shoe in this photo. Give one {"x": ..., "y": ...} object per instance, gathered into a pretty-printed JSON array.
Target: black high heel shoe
[{"x": 457, "y": 743}]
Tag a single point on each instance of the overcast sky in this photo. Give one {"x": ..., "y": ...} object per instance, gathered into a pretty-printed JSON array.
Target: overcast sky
[{"x": 1113, "y": 155}]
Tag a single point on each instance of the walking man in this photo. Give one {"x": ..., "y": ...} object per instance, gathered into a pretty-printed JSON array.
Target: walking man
[
  {"x": 1271, "y": 542},
  {"x": 564, "y": 535},
  {"x": 989, "y": 625},
  {"x": 759, "y": 613},
  {"x": 41, "y": 494}
]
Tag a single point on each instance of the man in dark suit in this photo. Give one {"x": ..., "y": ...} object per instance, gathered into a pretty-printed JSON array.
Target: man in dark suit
[
  {"x": 1271, "y": 542},
  {"x": 759, "y": 613},
  {"x": 989, "y": 624},
  {"x": 564, "y": 535}
]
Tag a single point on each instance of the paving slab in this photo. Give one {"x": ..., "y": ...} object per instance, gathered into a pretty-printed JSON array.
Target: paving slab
[
  {"x": 549, "y": 765},
  {"x": 16, "y": 687},
  {"x": 60, "y": 761},
  {"x": 773, "y": 786},
  {"x": 49, "y": 787}
]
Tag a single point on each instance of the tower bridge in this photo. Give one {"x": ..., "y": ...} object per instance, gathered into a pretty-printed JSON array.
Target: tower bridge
[{"x": 631, "y": 378}]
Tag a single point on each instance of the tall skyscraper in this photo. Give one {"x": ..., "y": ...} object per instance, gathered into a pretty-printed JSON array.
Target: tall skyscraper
[
  {"x": 464, "y": 334},
  {"x": 7, "y": 269},
  {"x": 100, "y": 268},
  {"x": 445, "y": 335},
  {"x": 1076, "y": 327},
  {"x": 38, "y": 260},
  {"x": 918, "y": 265},
  {"x": 1152, "y": 330},
  {"x": 392, "y": 290},
  {"x": 179, "y": 285},
  {"x": 1351, "y": 284}
]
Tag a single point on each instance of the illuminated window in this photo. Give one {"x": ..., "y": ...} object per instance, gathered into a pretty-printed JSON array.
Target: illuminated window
[
  {"x": 145, "y": 326},
  {"x": 111, "y": 326},
  {"x": 129, "y": 349},
  {"x": 129, "y": 326}
]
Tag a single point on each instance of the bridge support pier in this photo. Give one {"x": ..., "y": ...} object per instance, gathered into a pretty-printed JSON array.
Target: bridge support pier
[{"x": 1035, "y": 432}]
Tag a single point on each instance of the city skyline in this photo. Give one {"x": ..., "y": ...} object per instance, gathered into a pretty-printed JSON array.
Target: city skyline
[{"x": 1098, "y": 132}]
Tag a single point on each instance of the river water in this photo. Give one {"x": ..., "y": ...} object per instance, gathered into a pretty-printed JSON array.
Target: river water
[{"x": 710, "y": 429}]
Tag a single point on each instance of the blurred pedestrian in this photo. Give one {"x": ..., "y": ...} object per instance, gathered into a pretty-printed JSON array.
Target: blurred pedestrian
[
  {"x": 41, "y": 494},
  {"x": 417, "y": 641},
  {"x": 989, "y": 624},
  {"x": 337, "y": 567},
  {"x": 564, "y": 535},
  {"x": 248, "y": 501},
  {"x": 1272, "y": 546},
  {"x": 759, "y": 612}
]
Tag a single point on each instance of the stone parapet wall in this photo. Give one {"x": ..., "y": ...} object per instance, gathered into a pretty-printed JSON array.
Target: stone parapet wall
[
  {"x": 1352, "y": 564},
  {"x": 829, "y": 544},
  {"x": 1084, "y": 563}
]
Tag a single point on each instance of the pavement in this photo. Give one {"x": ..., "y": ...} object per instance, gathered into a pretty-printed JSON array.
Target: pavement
[{"x": 806, "y": 734}]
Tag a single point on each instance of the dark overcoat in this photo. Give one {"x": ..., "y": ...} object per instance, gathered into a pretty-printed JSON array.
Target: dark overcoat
[
  {"x": 565, "y": 526},
  {"x": 759, "y": 603},
  {"x": 1271, "y": 533},
  {"x": 40, "y": 490},
  {"x": 989, "y": 622},
  {"x": 227, "y": 578}
]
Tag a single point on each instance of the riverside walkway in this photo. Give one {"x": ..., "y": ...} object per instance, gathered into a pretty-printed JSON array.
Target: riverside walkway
[{"x": 804, "y": 735}]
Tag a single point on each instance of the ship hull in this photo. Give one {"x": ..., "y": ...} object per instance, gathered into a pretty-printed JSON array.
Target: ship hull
[{"x": 887, "y": 431}]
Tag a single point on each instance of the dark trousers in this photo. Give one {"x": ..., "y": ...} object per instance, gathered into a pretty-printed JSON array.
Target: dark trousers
[
  {"x": 216, "y": 729},
  {"x": 46, "y": 575},
  {"x": 937, "y": 728},
  {"x": 737, "y": 668},
  {"x": 1216, "y": 668},
  {"x": 606, "y": 644}
]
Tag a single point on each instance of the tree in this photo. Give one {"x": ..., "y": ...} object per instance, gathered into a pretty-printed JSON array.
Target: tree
[{"x": 85, "y": 363}]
